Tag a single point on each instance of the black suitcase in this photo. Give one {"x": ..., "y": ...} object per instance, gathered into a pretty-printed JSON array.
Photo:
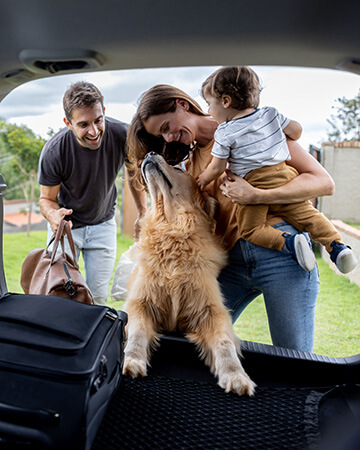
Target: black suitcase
[{"x": 60, "y": 363}]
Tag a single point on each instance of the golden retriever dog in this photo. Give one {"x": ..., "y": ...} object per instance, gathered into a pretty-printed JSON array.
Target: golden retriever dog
[{"x": 176, "y": 288}]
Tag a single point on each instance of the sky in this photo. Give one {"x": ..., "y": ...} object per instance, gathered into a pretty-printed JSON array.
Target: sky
[{"x": 305, "y": 95}]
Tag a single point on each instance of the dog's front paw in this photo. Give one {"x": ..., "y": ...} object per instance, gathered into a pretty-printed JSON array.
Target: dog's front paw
[
  {"x": 238, "y": 383},
  {"x": 134, "y": 367}
]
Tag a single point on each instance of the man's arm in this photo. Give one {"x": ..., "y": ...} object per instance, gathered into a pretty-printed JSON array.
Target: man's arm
[
  {"x": 139, "y": 196},
  {"x": 50, "y": 208}
]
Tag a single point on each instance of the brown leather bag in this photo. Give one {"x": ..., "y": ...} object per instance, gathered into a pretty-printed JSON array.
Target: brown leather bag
[{"x": 51, "y": 273}]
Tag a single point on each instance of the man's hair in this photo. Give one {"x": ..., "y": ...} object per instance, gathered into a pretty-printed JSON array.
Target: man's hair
[{"x": 81, "y": 95}]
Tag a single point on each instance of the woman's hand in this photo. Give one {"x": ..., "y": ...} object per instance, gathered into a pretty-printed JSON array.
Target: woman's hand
[
  {"x": 137, "y": 229},
  {"x": 238, "y": 189},
  {"x": 313, "y": 181}
]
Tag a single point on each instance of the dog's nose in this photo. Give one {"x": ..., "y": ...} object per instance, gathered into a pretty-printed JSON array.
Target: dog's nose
[{"x": 150, "y": 154}]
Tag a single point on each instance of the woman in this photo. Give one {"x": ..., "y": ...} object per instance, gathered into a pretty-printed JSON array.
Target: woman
[{"x": 166, "y": 113}]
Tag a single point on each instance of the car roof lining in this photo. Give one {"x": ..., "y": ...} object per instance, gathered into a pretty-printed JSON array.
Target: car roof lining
[{"x": 143, "y": 34}]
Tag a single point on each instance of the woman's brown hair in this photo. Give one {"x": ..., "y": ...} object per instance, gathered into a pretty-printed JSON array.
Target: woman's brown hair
[{"x": 159, "y": 99}]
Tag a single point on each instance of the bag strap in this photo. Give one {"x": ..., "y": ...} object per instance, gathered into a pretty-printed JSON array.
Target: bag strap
[
  {"x": 59, "y": 238},
  {"x": 56, "y": 239},
  {"x": 71, "y": 241}
]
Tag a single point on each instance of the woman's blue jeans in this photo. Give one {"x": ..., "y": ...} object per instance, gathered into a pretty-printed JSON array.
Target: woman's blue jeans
[
  {"x": 290, "y": 292},
  {"x": 97, "y": 244}
]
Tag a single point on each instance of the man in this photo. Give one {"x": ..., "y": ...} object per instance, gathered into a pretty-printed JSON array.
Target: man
[{"x": 77, "y": 171}]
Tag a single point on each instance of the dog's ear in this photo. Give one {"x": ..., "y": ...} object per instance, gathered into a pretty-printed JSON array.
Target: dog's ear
[{"x": 211, "y": 205}]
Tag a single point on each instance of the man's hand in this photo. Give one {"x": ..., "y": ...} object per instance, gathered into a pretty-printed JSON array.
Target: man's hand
[{"x": 56, "y": 216}]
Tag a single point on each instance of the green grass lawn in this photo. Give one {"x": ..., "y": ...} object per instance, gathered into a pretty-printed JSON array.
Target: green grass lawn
[
  {"x": 337, "y": 331},
  {"x": 354, "y": 225},
  {"x": 18, "y": 245}
]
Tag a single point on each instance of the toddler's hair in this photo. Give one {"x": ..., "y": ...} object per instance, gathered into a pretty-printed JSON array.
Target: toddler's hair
[{"x": 241, "y": 83}]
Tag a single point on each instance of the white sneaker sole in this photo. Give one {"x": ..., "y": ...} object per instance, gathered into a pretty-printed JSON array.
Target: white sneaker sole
[
  {"x": 304, "y": 254},
  {"x": 346, "y": 261}
]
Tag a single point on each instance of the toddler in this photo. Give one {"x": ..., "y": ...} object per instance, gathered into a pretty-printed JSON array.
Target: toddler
[{"x": 252, "y": 142}]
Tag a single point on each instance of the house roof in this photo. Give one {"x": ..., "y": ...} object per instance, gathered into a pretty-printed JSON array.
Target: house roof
[{"x": 18, "y": 219}]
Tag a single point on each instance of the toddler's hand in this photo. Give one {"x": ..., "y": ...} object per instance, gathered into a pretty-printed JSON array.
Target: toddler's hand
[
  {"x": 200, "y": 182},
  {"x": 229, "y": 175}
]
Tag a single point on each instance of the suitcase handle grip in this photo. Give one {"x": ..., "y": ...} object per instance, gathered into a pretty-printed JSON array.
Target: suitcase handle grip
[{"x": 26, "y": 415}]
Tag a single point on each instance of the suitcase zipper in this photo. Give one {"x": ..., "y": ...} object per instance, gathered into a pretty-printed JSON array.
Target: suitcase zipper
[
  {"x": 111, "y": 315},
  {"x": 102, "y": 375},
  {"x": 25, "y": 415}
]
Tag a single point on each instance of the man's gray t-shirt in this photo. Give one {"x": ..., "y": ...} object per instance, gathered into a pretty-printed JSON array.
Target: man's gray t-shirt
[{"x": 87, "y": 177}]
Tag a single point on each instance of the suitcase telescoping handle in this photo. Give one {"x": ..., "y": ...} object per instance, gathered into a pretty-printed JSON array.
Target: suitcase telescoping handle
[{"x": 28, "y": 416}]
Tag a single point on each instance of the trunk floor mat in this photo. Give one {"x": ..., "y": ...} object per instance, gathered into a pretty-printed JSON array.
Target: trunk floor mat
[{"x": 158, "y": 412}]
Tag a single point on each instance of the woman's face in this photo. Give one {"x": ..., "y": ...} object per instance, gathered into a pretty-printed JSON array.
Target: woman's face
[{"x": 179, "y": 125}]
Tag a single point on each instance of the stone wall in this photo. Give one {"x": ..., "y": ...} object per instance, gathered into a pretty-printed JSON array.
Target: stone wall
[{"x": 342, "y": 161}]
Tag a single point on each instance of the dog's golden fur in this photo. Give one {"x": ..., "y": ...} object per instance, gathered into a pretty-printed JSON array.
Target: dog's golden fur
[{"x": 176, "y": 287}]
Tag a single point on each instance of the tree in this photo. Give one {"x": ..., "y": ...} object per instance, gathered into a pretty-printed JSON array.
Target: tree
[
  {"x": 25, "y": 147},
  {"x": 346, "y": 122},
  {"x": 6, "y": 170}
]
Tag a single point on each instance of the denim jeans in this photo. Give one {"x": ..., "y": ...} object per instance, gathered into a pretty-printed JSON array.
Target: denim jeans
[
  {"x": 290, "y": 292},
  {"x": 97, "y": 244}
]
